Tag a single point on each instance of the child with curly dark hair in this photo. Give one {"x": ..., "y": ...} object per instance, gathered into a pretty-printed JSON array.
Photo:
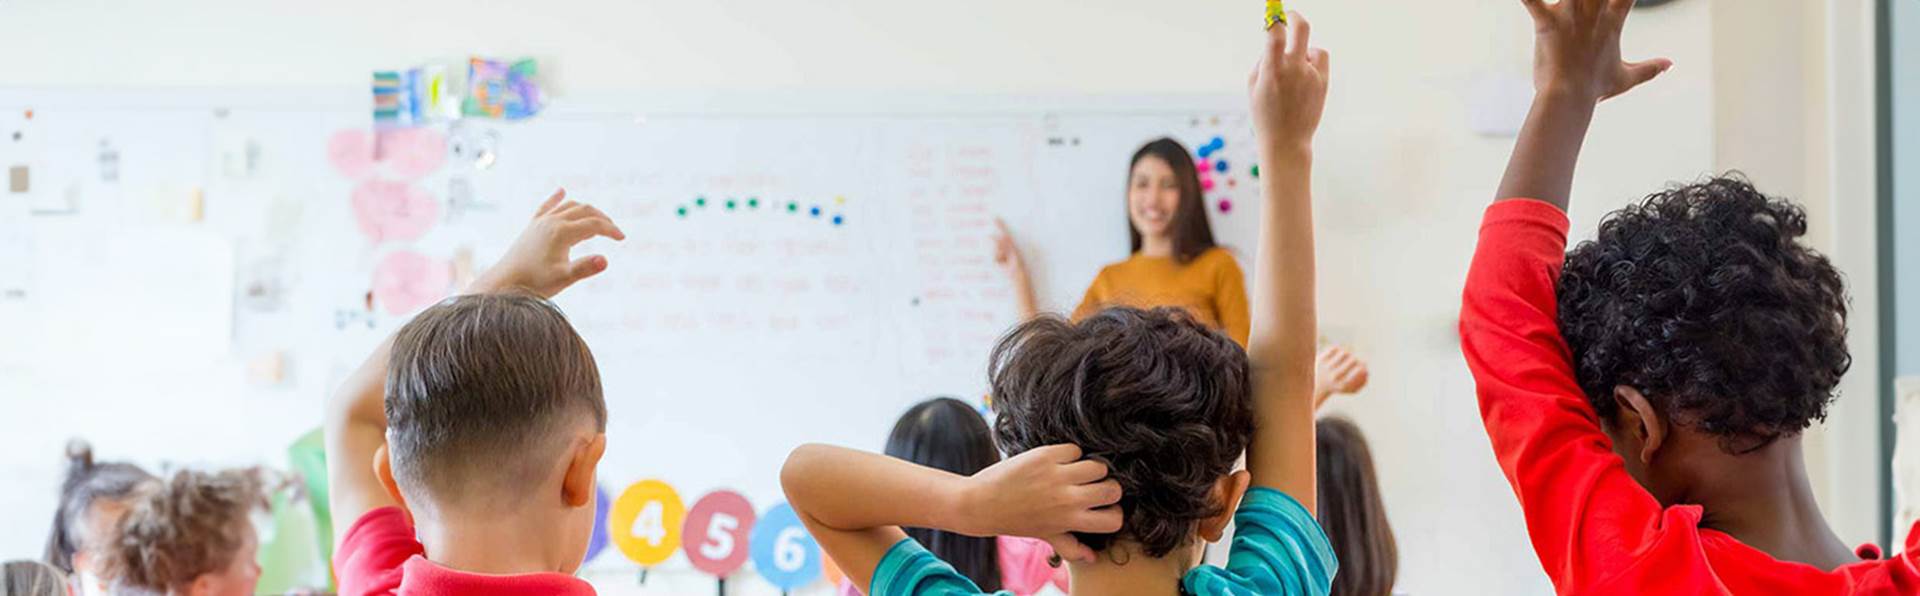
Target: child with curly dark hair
[
  {"x": 1646, "y": 392},
  {"x": 1123, "y": 428}
]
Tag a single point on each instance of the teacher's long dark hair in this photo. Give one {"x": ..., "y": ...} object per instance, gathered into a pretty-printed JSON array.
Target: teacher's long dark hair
[
  {"x": 948, "y": 434},
  {"x": 1192, "y": 235}
]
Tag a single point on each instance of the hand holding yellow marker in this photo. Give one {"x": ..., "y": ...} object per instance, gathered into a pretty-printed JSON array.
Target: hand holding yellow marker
[{"x": 1276, "y": 13}]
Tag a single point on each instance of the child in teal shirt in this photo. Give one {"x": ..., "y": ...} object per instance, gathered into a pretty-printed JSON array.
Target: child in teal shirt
[{"x": 1123, "y": 428}]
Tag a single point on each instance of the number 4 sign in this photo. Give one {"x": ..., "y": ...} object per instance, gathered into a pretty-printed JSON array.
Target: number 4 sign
[
  {"x": 716, "y": 532},
  {"x": 645, "y": 522},
  {"x": 783, "y": 552}
]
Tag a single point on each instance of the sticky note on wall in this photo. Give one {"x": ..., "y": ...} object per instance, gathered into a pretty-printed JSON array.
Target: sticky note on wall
[{"x": 17, "y": 182}]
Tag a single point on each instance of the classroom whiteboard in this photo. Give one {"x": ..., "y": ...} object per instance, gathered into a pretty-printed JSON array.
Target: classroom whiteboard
[{"x": 790, "y": 275}]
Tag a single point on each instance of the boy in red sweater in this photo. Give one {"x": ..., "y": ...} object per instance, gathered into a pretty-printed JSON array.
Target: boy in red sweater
[
  {"x": 1646, "y": 393},
  {"x": 461, "y": 455}
]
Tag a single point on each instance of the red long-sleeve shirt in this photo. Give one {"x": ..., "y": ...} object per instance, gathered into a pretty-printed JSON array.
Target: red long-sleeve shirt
[{"x": 1595, "y": 530}]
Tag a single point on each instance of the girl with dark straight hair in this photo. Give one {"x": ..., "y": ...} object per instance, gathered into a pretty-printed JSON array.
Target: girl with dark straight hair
[{"x": 1352, "y": 513}]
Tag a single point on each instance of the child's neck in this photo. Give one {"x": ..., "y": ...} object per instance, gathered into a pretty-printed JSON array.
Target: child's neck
[
  {"x": 496, "y": 545},
  {"x": 1764, "y": 500},
  {"x": 1135, "y": 575}
]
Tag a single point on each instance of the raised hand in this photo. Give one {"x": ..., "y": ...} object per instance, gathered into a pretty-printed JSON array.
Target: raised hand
[
  {"x": 1045, "y": 493},
  {"x": 1288, "y": 88},
  {"x": 1336, "y": 372},
  {"x": 1577, "y": 49},
  {"x": 540, "y": 259}
]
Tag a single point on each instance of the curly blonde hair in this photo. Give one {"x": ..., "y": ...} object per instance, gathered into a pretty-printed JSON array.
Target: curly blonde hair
[{"x": 191, "y": 524}]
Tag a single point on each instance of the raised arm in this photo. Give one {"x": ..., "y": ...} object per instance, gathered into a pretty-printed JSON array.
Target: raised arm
[
  {"x": 1576, "y": 65},
  {"x": 854, "y": 502},
  {"x": 1288, "y": 91},
  {"x": 356, "y": 420},
  {"x": 1587, "y": 518}
]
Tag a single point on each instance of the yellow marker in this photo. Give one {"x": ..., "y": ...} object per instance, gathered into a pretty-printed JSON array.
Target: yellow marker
[{"x": 1276, "y": 13}]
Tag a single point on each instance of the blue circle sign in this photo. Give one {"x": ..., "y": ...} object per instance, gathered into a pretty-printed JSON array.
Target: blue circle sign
[{"x": 783, "y": 551}]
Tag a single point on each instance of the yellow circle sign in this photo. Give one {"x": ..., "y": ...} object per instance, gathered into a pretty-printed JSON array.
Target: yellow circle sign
[{"x": 645, "y": 522}]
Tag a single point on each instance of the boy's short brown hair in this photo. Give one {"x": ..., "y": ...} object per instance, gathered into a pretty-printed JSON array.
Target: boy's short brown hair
[{"x": 480, "y": 391}]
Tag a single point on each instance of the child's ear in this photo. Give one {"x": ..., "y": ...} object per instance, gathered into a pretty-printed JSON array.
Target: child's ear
[
  {"x": 576, "y": 489},
  {"x": 201, "y": 586},
  {"x": 383, "y": 470},
  {"x": 1640, "y": 420},
  {"x": 1228, "y": 490}
]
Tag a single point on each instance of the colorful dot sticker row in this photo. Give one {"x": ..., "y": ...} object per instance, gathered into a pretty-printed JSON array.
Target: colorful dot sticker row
[
  {"x": 649, "y": 522},
  {"x": 734, "y": 204}
]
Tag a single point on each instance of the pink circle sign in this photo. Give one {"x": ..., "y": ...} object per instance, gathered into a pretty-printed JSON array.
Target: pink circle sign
[
  {"x": 407, "y": 280},
  {"x": 393, "y": 211},
  {"x": 351, "y": 153},
  {"x": 716, "y": 532},
  {"x": 412, "y": 153}
]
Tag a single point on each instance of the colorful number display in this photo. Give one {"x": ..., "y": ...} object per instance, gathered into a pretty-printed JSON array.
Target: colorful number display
[
  {"x": 601, "y": 504},
  {"x": 716, "y": 532},
  {"x": 783, "y": 552},
  {"x": 645, "y": 522}
]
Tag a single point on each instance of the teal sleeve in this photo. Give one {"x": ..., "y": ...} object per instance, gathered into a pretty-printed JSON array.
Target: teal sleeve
[
  {"x": 1278, "y": 548},
  {"x": 909, "y": 570}
]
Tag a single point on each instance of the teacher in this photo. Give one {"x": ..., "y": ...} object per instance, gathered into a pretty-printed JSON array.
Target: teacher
[{"x": 1175, "y": 261}]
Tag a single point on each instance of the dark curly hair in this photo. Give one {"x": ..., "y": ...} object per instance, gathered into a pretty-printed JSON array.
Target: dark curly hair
[
  {"x": 1702, "y": 298},
  {"x": 1164, "y": 400}
]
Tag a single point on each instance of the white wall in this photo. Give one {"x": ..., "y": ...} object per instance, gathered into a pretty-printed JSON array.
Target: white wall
[
  {"x": 1398, "y": 111},
  {"x": 1906, "y": 167},
  {"x": 1793, "y": 110},
  {"x": 1906, "y": 200}
]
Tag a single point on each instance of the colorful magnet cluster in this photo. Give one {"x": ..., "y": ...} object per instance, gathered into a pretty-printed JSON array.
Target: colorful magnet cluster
[
  {"x": 649, "y": 522},
  {"x": 753, "y": 203},
  {"x": 1216, "y": 172}
]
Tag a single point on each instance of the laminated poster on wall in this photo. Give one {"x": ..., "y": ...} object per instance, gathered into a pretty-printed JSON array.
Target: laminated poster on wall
[{"x": 437, "y": 93}]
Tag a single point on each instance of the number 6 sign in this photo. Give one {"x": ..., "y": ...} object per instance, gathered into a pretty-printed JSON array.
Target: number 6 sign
[
  {"x": 716, "y": 532},
  {"x": 783, "y": 552}
]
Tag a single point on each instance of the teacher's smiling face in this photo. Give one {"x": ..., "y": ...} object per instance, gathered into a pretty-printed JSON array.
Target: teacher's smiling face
[{"x": 1153, "y": 197}]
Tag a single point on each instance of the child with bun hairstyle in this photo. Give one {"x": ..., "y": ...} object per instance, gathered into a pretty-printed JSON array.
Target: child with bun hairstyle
[
  {"x": 92, "y": 499},
  {"x": 192, "y": 535}
]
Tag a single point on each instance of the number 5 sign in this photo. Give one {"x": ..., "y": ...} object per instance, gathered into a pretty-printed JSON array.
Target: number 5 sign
[
  {"x": 783, "y": 552},
  {"x": 715, "y": 538}
]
